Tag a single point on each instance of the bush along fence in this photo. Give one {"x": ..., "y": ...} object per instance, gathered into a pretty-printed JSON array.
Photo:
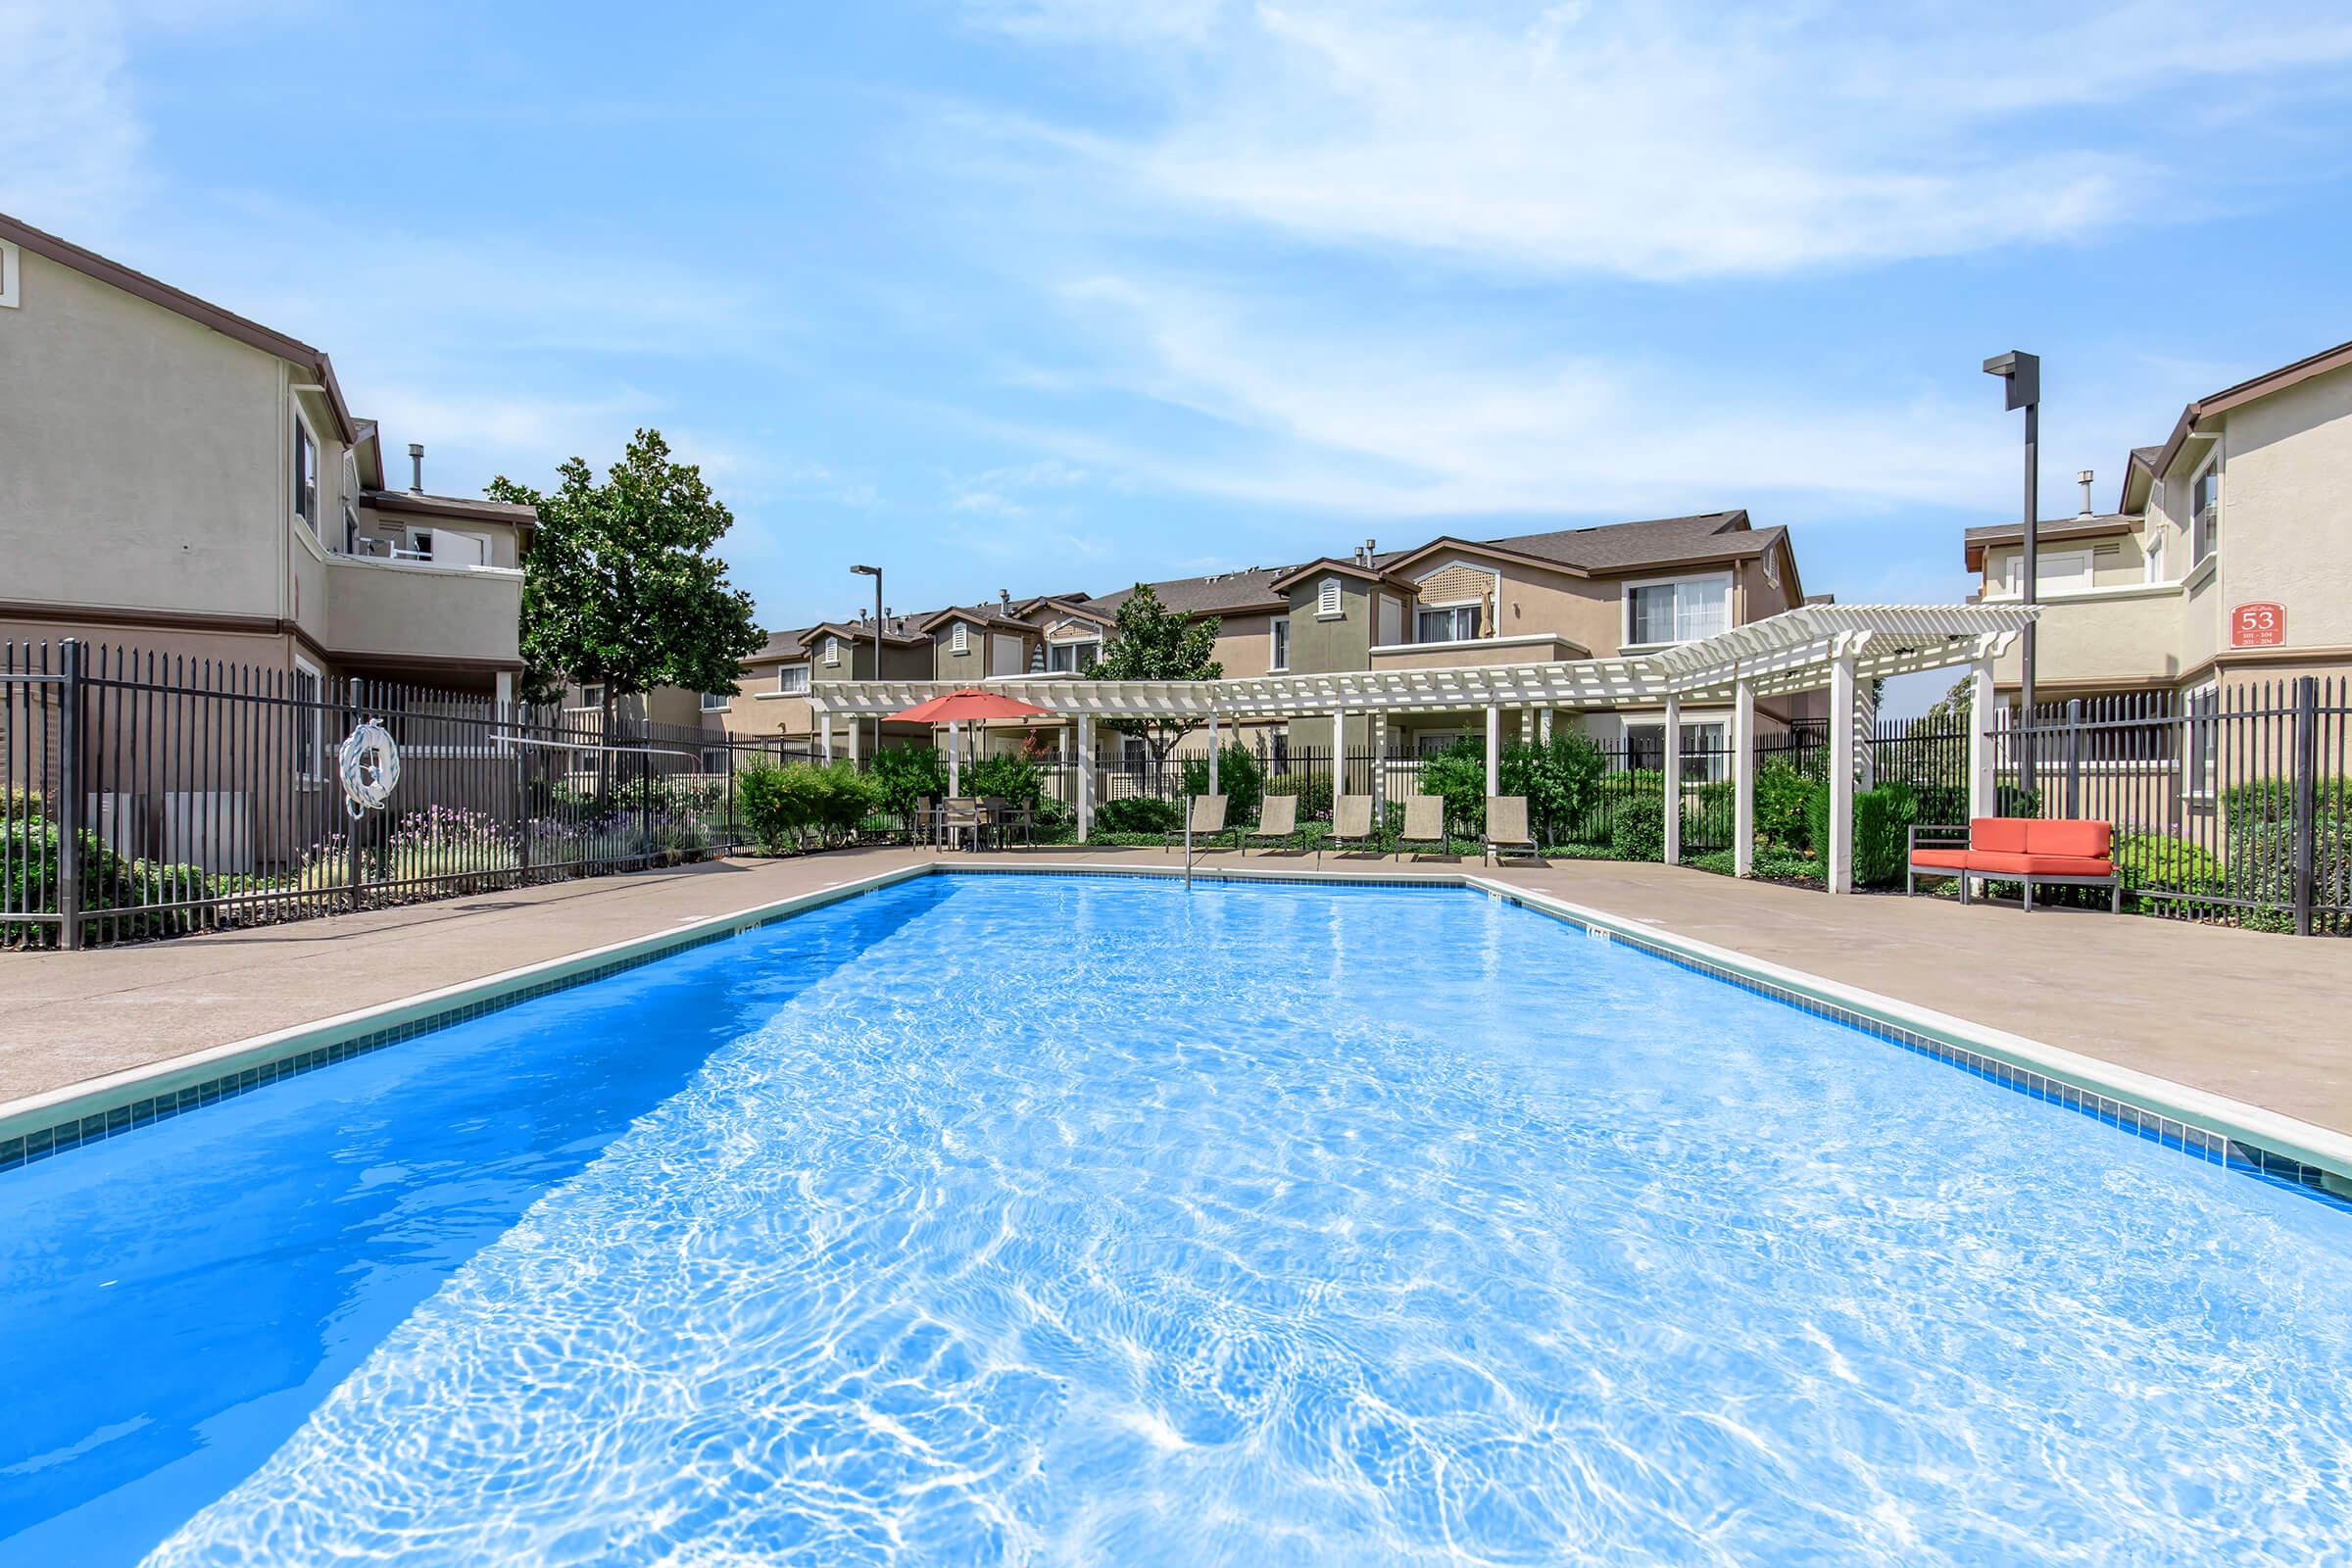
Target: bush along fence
[{"x": 146, "y": 794}]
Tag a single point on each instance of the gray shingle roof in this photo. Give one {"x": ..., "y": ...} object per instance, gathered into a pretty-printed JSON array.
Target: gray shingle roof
[
  {"x": 1657, "y": 542},
  {"x": 1206, "y": 596}
]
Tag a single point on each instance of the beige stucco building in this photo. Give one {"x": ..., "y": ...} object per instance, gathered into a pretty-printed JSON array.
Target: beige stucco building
[
  {"x": 2215, "y": 571},
  {"x": 185, "y": 481}
]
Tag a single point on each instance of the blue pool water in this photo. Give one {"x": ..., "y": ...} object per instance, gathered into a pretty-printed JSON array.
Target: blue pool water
[{"x": 1093, "y": 1221}]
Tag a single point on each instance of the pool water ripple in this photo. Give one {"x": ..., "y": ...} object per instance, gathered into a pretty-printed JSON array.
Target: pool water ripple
[{"x": 1095, "y": 1222}]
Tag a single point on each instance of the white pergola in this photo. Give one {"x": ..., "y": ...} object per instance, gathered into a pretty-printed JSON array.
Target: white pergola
[{"x": 1808, "y": 649}]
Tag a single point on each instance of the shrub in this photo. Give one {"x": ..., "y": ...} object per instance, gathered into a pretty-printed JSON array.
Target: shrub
[
  {"x": 1783, "y": 801},
  {"x": 768, "y": 805},
  {"x": 1006, "y": 776},
  {"x": 22, "y": 804},
  {"x": 1562, "y": 781},
  {"x": 1638, "y": 830},
  {"x": 1313, "y": 789},
  {"x": 905, "y": 774},
  {"x": 1057, "y": 821},
  {"x": 1139, "y": 814},
  {"x": 1770, "y": 866},
  {"x": 1883, "y": 819},
  {"x": 1458, "y": 775},
  {"x": 2163, "y": 864},
  {"x": 1240, "y": 775},
  {"x": 29, "y": 862}
]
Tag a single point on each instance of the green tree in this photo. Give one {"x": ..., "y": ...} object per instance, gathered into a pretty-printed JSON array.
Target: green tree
[
  {"x": 621, "y": 588},
  {"x": 1150, "y": 642}
]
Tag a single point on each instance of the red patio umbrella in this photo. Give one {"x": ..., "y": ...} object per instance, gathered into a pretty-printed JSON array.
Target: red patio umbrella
[{"x": 967, "y": 705}]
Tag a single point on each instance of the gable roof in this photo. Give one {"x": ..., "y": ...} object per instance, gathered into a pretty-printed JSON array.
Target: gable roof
[
  {"x": 1219, "y": 593},
  {"x": 1608, "y": 548},
  {"x": 181, "y": 302},
  {"x": 1976, "y": 540},
  {"x": 2247, "y": 391}
]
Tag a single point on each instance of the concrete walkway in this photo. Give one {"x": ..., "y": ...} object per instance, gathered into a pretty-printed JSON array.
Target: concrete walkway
[{"x": 2266, "y": 1019}]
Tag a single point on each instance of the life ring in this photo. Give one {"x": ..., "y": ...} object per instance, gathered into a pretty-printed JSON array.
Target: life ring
[{"x": 370, "y": 764}]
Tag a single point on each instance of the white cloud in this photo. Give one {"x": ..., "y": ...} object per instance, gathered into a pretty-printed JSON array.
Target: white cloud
[
  {"x": 1669, "y": 141},
  {"x": 69, "y": 138}
]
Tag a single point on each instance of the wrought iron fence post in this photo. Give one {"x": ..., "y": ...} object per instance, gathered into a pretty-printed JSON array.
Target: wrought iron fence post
[
  {"x": 512, "y": 721},
  {"x": 2074, "y": 757},
  {"x": 2307, "y": 736},
  {"x": 69, "y": 810},
  {"x": 351, "y": 824},
  {"x": 730, "y": 795},
  {"x": 644, "y": 800}
]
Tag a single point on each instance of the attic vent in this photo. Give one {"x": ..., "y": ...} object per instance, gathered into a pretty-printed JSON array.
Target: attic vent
[
  {"x": 960, "y": 639},
  {"x": 1327, "y": 597},
  {"x": 2106, "y": 552}
]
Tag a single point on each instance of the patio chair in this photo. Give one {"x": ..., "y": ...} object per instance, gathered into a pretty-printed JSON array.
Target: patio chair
[
  {"x": 1424, "y": 824},
  {"x": 960, "y": 812},
  {"x": 1004, "y": 817},
  {"x": 1277, "y": 820},
  {"x": 920, "y": 824},
  {"x": 1208, "y": 821},
  {"x": 1507, "y": 829},
  {"x": 1350, "y": 826}
]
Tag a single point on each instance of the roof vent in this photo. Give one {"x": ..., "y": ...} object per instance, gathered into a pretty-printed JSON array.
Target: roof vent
[
  {"x": 416, "y": 467},
  {"x": 2083, "y": 480}
]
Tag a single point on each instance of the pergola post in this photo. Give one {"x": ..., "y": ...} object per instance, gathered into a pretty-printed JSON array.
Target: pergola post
[
  {"x": 1212, "y": 754},
  {"x": 1086, "y": 776},
  {"x": 825, "y": 735},
  {"x": 1380, "y": 773},
  {"x": 1842, "y": 774},
  {"x": 1674, "y": 779},
  {"x": 1544, "y": 724},
  {"x": 954, "y": 760},
  {"x": 1493, "y": 748},
  {"x": 1744, "y": 776},
  {"x": 1982, "y": 799}
]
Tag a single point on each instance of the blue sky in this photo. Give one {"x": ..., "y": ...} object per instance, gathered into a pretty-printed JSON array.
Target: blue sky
[{"x": 1052, "y": 294}]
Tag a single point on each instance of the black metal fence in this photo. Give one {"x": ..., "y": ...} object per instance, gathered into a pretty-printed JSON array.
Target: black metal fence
[{"x": 206, "y": 794}]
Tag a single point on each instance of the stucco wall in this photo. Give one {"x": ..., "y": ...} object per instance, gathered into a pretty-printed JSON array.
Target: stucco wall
[
  {"x": 391, "y": 608},
  {"x": 2286, "y": 508},
  {"x": 146, "y": 457}
]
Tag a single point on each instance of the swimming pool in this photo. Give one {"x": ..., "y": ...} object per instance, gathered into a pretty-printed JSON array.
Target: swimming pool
[{"x": 1093, "y": 1220}]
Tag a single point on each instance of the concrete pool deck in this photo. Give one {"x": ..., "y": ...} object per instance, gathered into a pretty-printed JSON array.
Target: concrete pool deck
[{"x": 2259, "y": 1019}]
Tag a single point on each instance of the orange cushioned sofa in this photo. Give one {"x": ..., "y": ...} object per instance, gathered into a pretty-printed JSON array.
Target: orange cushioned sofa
[{"x": 2020, "y": 850}]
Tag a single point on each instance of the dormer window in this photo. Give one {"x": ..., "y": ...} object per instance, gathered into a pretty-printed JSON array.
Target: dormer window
[{"x": 1327, "y": 598}]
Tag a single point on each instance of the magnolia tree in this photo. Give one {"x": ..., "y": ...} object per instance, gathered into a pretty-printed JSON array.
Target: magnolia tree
[
  {"x": 621, "y": 589},
  {"x": 1150, "y": 642}
]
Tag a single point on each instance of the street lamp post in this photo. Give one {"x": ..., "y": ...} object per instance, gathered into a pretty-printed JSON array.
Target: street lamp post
[
  {"x": 2021, "y": 372},
  {"x": 875, "y": 572}
]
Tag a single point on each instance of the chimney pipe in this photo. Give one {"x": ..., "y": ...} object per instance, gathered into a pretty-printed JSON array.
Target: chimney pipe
[
  {"x": 1005, "y": 598},
  {"x": 416, "y": 467},
  {"x": 2083, "y": 480}
]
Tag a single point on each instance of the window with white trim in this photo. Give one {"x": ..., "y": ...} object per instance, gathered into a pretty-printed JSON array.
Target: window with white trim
[
  {"x": 1072, "y": 658},
  {"x": 1678, "y": 610},
  {"x": 1445, "y": 623},
  {"x": 306, "y": 472},
  {"x": 591, "y": 697},
  {"x": 792, "y": 680},
  {"x": 2203, "y": 707},
  {"x": 309, "y": 722},
  {"x": 1706, "y": 756},
  {"x": 1327, "y": 598},
  {"x": 1278, "y": 657},
  {"x": 832, "y": 650},
  {"x": 960, "y": 638},
  {"x": 715, "y": 702},
  {"x": 2205, "y": 510},
  {"x": 12, "y": 276},
  {"x": 2155, "y": 554}
]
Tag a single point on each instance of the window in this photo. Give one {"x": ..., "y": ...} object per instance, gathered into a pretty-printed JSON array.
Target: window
[
  {"x": 833, "y": 649},
  {"x": 2203, "y": 707},
  {"x": 1280, "y": 657},
  {"x": 308, "y": 721},
  {"x": 1448, "y": 624},
  {"x": 1705, "y": 754},
  {"x": 1676, "y": 611},
  {"x": 11, "y": 275},
  {"x": 306, "y": 472},
  {"x": 1135, "y": 753},
  {"x": 792, "y": 679},
  {"x": 1327, "y": 598},
  {"x": 2205, "y": 511},
  {"x": 959, "y": 639},
  {"x": 1278, "y": 739},
  {"x": 2155, "y": 557},
  {"x": 714, "y": 759},
  {"x": 1072, "y": 658},
  {"x": 591, "y": 697},
  {"x": 715, "y": 702}
]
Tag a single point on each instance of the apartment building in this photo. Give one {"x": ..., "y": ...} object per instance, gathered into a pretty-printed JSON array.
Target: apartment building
[
  {"x": 182, "y": 479},
  {"x": 1561, "y": 594},
  {"x": 2216, "y": 567}
]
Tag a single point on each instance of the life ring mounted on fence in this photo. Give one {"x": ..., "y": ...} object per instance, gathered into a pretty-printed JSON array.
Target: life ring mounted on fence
[{"x": 370, "y": 764}]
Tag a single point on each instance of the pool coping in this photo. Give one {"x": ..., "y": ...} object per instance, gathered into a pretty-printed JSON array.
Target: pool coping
[{"x": 2205, "y": 1125}]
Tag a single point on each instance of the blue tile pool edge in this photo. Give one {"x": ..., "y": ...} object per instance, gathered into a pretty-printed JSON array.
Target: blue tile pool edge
[{"x": 2207, "y": 1127}]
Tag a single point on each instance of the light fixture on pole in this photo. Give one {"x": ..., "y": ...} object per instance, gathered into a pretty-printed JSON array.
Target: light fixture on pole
[
  {"x": 2021, "y": 372},
  {"x": 875, "y": 572}
]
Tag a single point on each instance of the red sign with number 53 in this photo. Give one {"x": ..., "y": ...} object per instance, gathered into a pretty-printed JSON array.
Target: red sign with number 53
[{"x": 2257, "y": 626}]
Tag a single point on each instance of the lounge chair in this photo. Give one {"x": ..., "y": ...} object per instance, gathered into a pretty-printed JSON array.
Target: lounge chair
[
  {"x": 1424, "y": 824},
  {"x": 1507, "y": 829},
  {"x": 1350, "y": 826},
  {"x": 1208, "y": 821},
  {"x": 1277, "y": 820}
]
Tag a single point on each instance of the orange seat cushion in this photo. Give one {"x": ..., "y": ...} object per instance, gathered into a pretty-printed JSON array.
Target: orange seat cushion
[
  {"x": 2040, "y": 865},
  {"x": 2001, "y": 835},
  {"x": 2076, "y": 837},
  {"x": 1942, "y": 859}
]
